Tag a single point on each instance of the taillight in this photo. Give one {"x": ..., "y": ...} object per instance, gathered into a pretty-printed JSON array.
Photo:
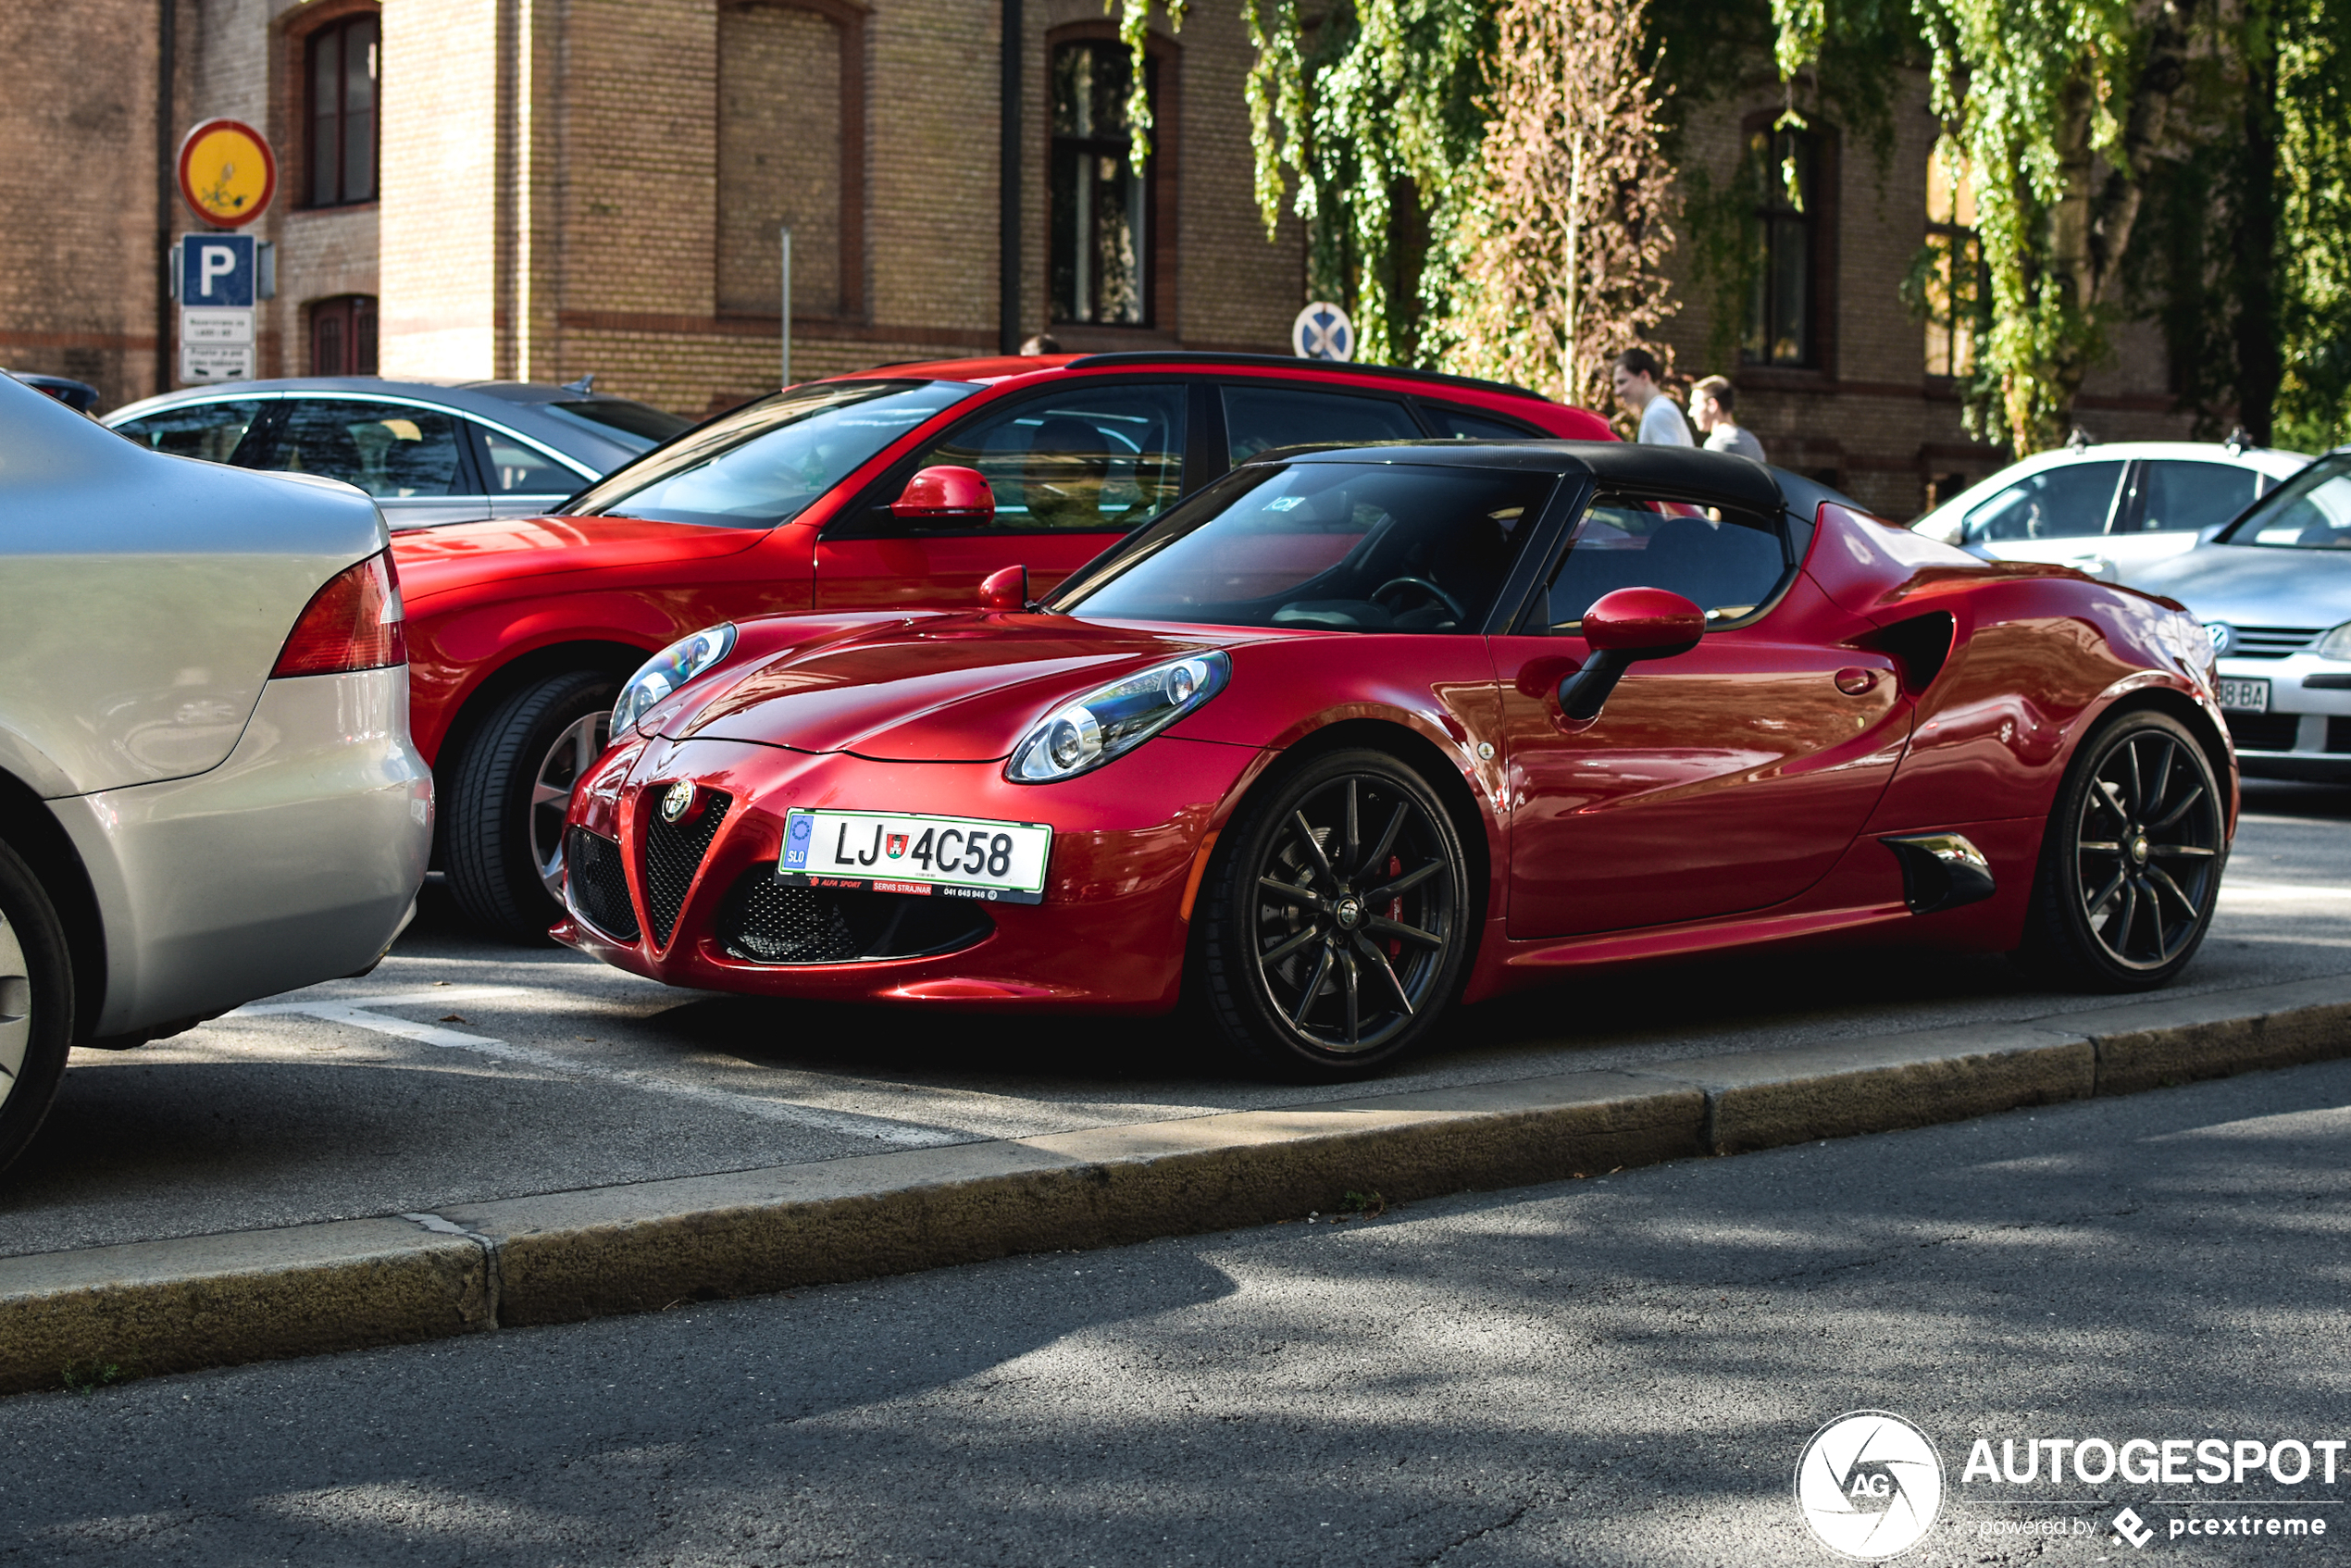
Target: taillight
[{"x": 353, "y": 622}]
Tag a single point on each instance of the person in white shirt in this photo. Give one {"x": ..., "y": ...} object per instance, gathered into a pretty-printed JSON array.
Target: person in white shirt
[
  {"x": 1635, "y": 377},
  {"x": 1710, "y": 403}
]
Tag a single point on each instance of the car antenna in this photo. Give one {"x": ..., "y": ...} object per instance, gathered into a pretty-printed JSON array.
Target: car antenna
[
  {"x": 585, "y": 386},
  {"x": 2079, "y": 440},
  {"x": 2238, "y": 441}
]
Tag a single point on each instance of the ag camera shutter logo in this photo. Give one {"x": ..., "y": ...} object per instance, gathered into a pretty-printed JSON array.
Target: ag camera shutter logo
[{"x": 1869, "y": 1485}]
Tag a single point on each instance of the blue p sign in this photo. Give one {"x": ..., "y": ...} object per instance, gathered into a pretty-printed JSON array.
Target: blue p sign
[{"x": 216, "y": 270}]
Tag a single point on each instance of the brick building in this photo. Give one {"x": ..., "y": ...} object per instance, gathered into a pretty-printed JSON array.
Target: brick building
[{"x": 546, "y": 188}]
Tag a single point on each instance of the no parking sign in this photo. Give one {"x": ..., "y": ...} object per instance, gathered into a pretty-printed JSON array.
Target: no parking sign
[{"x": 1323, "y": 331}]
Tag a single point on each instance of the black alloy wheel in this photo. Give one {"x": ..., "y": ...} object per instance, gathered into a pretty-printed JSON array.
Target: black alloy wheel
[
  {"x": 1335, "y": 926},
  {"x": 36, "y": 1004},
  {"x": 508, "y": 793},
  {"x": 2130, "y": 869}
]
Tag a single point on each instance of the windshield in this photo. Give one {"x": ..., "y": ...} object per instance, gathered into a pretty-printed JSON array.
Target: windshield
[
  {"x": 763, "y": 464},
  {"x": 1340, "y": 546},
  {"x": 2311, "y": 511}
]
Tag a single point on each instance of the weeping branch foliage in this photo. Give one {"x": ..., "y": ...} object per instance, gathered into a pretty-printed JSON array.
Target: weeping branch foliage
[
  {"x": 1560, "y": 249},
  {"x": 1369, "y": 121}
]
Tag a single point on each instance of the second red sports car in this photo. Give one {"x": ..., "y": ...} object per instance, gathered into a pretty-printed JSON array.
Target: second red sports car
[{"x": 1354, "y": 734}]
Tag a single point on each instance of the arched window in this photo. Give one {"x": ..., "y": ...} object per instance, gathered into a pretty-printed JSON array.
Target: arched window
[
  {"x": 342, "y": 336},
  {"x": 344, "y": 68},
  {"x": 1102, "y": 228},
  {"x": 790, "y": 155}
]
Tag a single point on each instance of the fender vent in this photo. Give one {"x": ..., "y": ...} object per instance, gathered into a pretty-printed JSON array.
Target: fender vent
[
  {"x": 597, "y": 887},
  {"x": 673, "y": 853},
  {"x": 1920, "y": 645},
  {"x": 1941, "y": 871}
]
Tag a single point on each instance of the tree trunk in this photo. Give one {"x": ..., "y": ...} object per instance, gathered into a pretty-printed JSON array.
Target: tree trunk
[{"x": 2258, "y": 367}]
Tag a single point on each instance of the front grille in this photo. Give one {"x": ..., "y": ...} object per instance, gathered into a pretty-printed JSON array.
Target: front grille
[
  {"x": 2263, "y": 732},
  {"x": 599, "y": 887},
  {"x": 2271, "y": 641},
  {"x": 766, "y": 921},
  {"x": 2339, "y": 734},
  {"x": 673, "y": 853}
]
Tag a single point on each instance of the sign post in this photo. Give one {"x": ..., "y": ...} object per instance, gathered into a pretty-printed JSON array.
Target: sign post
[{"x": 227, "y": 175}]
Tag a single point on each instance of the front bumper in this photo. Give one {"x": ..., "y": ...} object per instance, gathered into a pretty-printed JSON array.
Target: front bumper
[
  {"x": 1130, "y": 842},
  {"x": 295, "y": 861},
  {"x": 2306, "y": 731}
]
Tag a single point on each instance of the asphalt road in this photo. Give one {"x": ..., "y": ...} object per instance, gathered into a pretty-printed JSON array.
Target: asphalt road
[
  {"x": 513, "y": 1071},
  {"x": 1622, "y": 1370}
]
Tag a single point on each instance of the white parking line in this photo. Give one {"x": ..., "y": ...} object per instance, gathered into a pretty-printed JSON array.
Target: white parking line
[
  {"x": 355, "y": 1010},
  {"x": 2290, "y": 892}
]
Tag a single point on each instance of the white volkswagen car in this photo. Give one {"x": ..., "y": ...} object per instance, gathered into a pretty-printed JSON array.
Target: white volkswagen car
[
  {"x": 207, "y": 791},
  {"x": 2111, "y": 511}
]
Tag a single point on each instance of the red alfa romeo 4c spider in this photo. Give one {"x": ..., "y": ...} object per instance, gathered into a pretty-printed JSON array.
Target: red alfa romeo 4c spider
[{"x": 1353, "y": 735}]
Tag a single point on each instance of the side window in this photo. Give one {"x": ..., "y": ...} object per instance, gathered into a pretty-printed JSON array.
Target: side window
[
  {"x": 1093, "y": 459},
  {"x": 210, "y": 431},
  {"x": 387, "y": 449},
  {"x": 1259, "y": 418},
  {"x": 1727, "y": 562},
  {"x": 1461, "y": 423},
  {"x": 516, "y": 470},
  {"x": 2067, "y": 502},
  {"x": 2188, "y": 496}
]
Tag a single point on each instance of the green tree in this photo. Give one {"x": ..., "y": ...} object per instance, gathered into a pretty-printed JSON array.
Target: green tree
[
  {"x": 1370, "y": 122},
  {"x": 1560, "y": 251}
]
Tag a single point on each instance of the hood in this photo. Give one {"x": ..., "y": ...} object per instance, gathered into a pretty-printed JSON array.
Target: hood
[
  {"x": 2255, "y": 585},
  {"x": 962, "y": 688},
  {"x": 440, "y": 559}
]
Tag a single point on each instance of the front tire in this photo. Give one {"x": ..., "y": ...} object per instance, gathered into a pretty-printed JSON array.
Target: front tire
[
  {"x": 2131, "y": 865},
  {"x": 1337, "y": 922},
  {"x": 511, "y": 788},
  {"x": 36, "y": 1004}
]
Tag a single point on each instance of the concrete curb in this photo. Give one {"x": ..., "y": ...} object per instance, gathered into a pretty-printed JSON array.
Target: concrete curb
[{"x": 213, "y": 1300}]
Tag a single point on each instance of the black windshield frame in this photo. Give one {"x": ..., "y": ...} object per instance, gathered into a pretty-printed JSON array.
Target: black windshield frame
[{"x": 1537, "y": 540}]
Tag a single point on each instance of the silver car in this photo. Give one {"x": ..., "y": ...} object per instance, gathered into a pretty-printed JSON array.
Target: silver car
[
  {"x": 207, "y": 791},
  {"x": 2111, "y": 511},
  {"x": 2273, "y": 591},
  {"x": 428, "y": 454}
]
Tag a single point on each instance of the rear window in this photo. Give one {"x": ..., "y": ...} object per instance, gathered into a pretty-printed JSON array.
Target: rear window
[{"x": 639, "y": 427}]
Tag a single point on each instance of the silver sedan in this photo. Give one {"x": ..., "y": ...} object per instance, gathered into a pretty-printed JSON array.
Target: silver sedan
[
  {"x": 2273, "y": 591},
  {"x": 207, "y": 791}
]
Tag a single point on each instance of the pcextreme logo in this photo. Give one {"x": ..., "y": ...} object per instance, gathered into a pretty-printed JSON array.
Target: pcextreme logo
[{"x": 1869, "y": 1485}]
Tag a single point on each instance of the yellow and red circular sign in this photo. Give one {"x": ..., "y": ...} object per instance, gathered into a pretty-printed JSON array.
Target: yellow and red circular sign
[{"x": 227, "y": 172}]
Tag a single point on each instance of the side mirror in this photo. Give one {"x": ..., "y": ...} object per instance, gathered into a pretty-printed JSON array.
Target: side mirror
[
  {"x": 1006, "y": 590},
  {"x": 1625, "y": 628},
  {"x": 946, "y": 492}
]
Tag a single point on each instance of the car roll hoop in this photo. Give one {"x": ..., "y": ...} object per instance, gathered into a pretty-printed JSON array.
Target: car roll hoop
[{"x": 1625, "y": 628}]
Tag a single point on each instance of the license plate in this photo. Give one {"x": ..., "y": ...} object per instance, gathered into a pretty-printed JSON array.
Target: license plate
[
  {"x": 2244, "y": 696},
  {"x": 906, "y": 852}
]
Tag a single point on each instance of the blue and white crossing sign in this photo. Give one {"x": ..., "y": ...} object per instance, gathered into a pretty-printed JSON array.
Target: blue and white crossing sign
[
  {"x": 218, "y": 269},
  {"x": 1323, "y": 331}
]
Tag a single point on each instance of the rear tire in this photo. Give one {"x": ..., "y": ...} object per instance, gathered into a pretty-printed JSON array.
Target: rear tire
[
  {"x": 507, "y": 797},
  {"x": 1336, "y": 923},
  {"x": 2131, "y": 862},
  {"x": 36, "y": 1004}
]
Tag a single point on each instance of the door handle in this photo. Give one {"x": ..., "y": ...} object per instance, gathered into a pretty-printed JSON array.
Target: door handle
[{"x": 1855, "y": 681}]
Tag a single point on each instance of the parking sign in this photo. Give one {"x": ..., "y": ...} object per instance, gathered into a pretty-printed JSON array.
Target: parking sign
[{"x": 217, "y": 270}]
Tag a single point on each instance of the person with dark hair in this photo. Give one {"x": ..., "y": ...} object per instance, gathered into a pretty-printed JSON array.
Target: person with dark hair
[
  {"x": 1044, "y": 343},
  {"x": 1711, "y": 403},
  {"x": 1635, "y": 377}
]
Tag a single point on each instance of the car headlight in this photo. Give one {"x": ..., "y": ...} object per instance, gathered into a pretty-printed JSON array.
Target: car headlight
[
  {"x": 1103, "y": 724},
  {"x": 2335, "y": 644},
  {"x": 668, "y": 670}
]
